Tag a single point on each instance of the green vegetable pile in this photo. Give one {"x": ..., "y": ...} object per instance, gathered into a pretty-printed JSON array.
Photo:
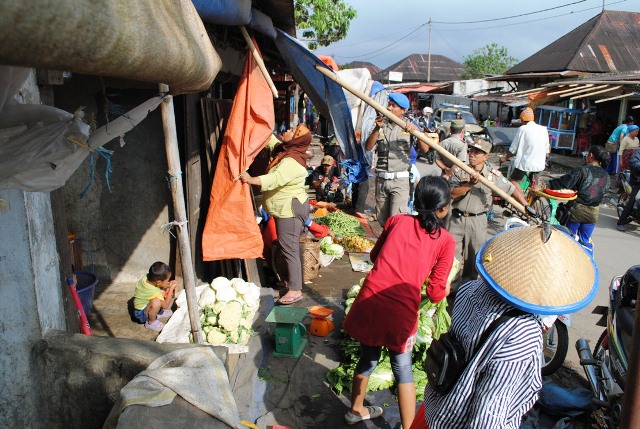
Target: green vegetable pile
[
  {"x": 341, "y": 224},
  {"x": 328, "y": 247},
  {"x": 433, "y": 320}
]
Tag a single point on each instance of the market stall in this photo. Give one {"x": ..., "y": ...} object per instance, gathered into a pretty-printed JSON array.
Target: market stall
[{"x": 562, "y": 124}]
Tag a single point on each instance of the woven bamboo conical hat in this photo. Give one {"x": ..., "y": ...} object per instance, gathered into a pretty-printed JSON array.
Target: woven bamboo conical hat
[{"x": 554, "y": 277}]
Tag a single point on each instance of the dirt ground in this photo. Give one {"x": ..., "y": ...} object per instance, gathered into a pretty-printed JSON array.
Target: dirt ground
[{"x": 294, "y": 392}]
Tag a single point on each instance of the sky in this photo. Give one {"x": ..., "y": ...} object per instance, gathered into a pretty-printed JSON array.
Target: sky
[{"x": 384, "y": 33}]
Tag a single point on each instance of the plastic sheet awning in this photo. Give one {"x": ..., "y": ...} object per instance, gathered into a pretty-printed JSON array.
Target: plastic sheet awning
[{"x": 327, "y": 96}]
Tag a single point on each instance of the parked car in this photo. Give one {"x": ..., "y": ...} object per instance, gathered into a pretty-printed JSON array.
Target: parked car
[{"x": 443, "y": 116}]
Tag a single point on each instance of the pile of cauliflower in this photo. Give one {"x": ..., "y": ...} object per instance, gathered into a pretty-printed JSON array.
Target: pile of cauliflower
[{"x": 227, "y": 308}]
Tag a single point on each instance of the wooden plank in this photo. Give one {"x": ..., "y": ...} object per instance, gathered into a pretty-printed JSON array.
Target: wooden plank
[{"x": 194, "y": 180}]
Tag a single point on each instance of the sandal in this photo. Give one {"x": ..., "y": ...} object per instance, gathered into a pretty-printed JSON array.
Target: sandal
[
  {"x": 352, "y": 419},
  {"x": 289, "y": 301}
]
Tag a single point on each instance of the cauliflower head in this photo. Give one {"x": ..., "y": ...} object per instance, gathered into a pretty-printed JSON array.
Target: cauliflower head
[
  {"x": 230, "y": 316},
  {"x": 216, "y": 336}
]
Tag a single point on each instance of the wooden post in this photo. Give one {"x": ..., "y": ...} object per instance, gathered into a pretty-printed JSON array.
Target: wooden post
[
  {"x": 179, "y": 210},
  {"x": 259, "y": 61},
  {"x": 393, "y": 118}
]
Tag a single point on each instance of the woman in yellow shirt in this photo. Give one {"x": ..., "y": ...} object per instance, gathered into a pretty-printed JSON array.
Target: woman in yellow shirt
[{"x": 285, "y": 198}]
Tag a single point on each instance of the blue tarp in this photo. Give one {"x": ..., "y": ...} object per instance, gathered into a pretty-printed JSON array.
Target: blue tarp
[
  {"x": 224, "y": 12},
  {"x": 326, "y": 95}
]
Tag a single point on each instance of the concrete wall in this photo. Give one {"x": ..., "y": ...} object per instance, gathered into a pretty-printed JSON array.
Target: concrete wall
[
  {"x": 85, "y": 374},
  {"x": 30, "y": 296},
  {"x": 120, "y": 230},
  {"x": 30, "y": 302}
]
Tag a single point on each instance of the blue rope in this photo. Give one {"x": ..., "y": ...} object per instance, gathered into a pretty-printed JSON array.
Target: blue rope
[
  {"x": 171, "y": 178},
  {"x": 106, "y": 154}
]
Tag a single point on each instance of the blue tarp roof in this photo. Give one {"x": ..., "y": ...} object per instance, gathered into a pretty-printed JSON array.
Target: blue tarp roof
[{"x": 326, "y": 95}]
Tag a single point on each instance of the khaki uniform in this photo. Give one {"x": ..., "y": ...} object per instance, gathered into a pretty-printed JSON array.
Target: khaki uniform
[
  {"x": 456, "y": 147},
  {"x": 468, "y": 220},
  {"x": 392, "y": 172}
]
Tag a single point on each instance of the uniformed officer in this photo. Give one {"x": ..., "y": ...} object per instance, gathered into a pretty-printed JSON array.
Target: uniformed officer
[
  {"x": 471, "y": 200},
  {"x": 456, "y": 145},
  {"x": 394, "y": 160}
]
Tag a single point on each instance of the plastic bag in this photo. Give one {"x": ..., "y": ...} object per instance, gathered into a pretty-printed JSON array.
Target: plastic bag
[{"x": 40, "y": 146}]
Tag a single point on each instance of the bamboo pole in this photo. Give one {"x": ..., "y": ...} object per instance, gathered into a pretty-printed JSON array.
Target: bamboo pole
[
  {"x": 393, "y": 118},
  {"x": 180, "y": 212},
  {"x": 628, "y": 94},
  {"x": 258, "y": 58},
  {"x": 589, "y": 94},
  {"x": 564, "y": 91},
  {"x": 584, "y": 90}
]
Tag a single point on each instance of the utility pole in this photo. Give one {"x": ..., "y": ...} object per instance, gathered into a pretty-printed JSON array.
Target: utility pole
[
  {"x": 603, "y": 5},
  {"x": 429, "y": 62}
]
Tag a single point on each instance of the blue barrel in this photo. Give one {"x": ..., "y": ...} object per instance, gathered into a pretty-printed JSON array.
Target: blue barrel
[{"x": 86, "y": 288}]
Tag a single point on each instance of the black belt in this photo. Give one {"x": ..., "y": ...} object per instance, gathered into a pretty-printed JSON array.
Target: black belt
[{"x": 459, "y": 213}]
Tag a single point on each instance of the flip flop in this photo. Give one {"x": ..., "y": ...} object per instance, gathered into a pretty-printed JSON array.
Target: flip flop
[
  {"x": 289, "y": 301},
  {"x": 374, "y": 412}
]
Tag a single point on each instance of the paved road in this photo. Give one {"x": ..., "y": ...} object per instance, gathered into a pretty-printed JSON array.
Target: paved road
[{"x": 615, "y": 252}]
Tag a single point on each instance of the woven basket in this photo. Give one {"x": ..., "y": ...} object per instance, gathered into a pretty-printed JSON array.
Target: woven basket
[
  {"x": 310, "y": 251},
  {"x": 534, "y": 275},
  {"x": 310, "y": 254}
]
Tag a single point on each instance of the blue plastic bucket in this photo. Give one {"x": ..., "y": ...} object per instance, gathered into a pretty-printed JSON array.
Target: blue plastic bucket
[{"x": 86, "y": 288}]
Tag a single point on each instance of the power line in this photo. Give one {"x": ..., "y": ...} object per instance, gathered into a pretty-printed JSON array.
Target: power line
[
  {"x": 531, "y": 20},
  {"x": 509, "y": 17},
  {"x": 390, "y": 44}
]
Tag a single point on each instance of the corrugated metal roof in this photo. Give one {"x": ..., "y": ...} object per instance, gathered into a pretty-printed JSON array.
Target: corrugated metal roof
[
  {"x": 415, "y": 68},
  {"x": 608, "y": 42},
  {"x": 373, "y": 69}
]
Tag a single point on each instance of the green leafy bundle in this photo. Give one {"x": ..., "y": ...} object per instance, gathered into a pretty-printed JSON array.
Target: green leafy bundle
[
  {"x": 433, "y": 320},
  {"x": 341, "y": 224}
]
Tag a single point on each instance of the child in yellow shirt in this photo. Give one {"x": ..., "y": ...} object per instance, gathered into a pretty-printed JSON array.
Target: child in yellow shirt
[{"x": 153, "y": 296}]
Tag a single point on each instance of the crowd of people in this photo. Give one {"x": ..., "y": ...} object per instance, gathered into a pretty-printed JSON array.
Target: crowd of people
[{"x": 439, "y": 213}]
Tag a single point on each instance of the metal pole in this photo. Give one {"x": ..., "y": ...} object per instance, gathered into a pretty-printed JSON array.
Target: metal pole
[
  {"x": 631, "y": 406},
  {"x": 436, "y": 146},
  {"x": 179, "y": 210},
  {"x": 429, "y": 62}
]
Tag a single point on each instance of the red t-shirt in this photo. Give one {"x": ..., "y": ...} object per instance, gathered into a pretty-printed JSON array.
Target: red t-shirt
[{"x": 385, "y": 312}]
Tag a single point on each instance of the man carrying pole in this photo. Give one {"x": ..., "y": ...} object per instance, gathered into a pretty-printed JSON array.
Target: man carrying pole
[
  {"x": 394, "y": 160},
  {"x": 426, "y": 141}
]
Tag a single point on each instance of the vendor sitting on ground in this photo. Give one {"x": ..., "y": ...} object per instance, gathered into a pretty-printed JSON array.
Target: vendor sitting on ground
[
  {"x": 324, "y": 180},
  {"x": 153, "y": 296}
]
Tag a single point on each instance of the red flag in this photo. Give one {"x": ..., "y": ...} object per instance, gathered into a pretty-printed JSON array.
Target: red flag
[{"x": 230, "y": 230}]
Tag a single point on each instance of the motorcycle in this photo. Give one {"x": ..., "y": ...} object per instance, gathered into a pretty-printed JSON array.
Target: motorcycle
[
  {"x": 606, "y": 367},
  {"x": 555, "y": 335},
  {"x": 625, "y": 179}
]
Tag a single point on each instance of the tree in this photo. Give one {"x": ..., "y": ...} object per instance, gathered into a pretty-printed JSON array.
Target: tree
[
  {"x": 492, "y": 59},
  {"x": 324, "y": 21}
]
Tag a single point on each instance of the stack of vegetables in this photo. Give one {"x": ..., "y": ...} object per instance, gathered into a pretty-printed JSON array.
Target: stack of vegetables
[
  {"x": 227, "y": 309},
  {"x": 355, "y": 243},
  {"x": 433, "y": 320},
  {"x": 328, "y": 247},
  {"x": 341, "y": 224}
]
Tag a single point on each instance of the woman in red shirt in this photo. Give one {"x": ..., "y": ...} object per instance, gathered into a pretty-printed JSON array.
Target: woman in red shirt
[{"x": 385, "y": 312}]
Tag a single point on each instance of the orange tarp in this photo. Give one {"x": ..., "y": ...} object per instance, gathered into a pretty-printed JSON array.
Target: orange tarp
[
  {"x": 230, "y": 231},
  {"x": 329, "y": 61}
]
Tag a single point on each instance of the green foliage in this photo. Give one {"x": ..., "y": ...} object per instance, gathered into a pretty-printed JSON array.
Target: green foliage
[
  {"x": 492, "y": 59},
  {"x": 326, "y": 21}
]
